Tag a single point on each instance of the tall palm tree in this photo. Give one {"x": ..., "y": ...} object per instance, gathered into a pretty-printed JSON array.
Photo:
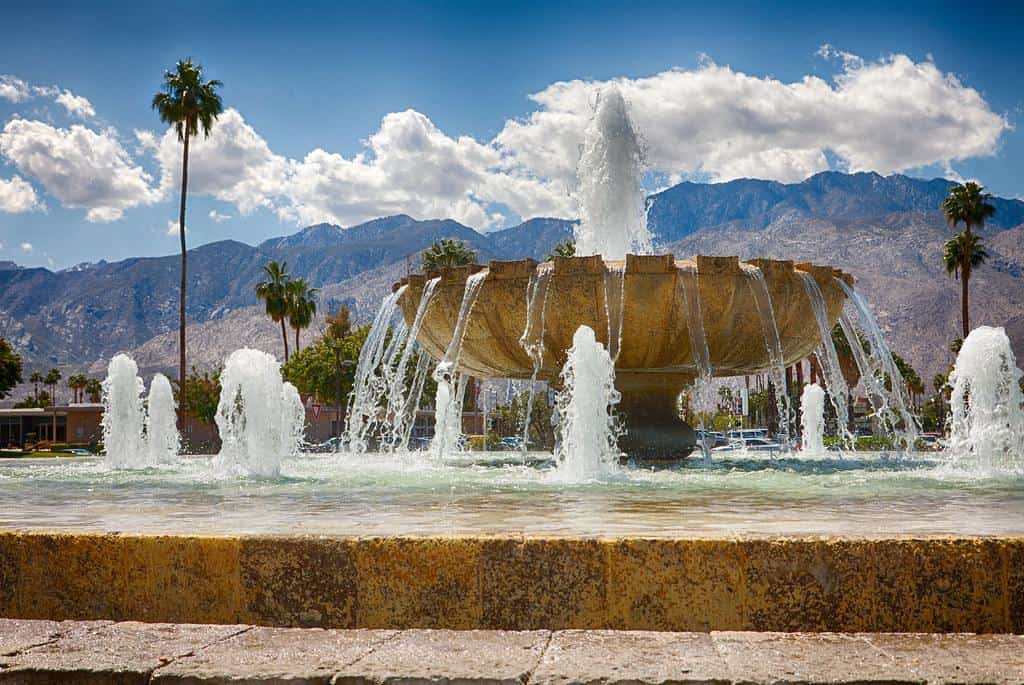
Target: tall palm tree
[
  {"x": 51, "y": 379},
  {"x": 35, "y": 379},
  {"x": 447, "y": 252},
  {"x": 967, "y": 204},
  {"x": 301, "y": 305},
  {"x": 274, "y": 293},
  {"x": 962, "y": 254},
  {"x": 189, "y": 104},
  {"x": 76, "y": 383},
  {"x": 94, "y": 389}
]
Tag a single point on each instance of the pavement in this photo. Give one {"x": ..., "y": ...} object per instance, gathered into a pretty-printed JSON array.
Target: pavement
[{"x": 130, "y": 652}]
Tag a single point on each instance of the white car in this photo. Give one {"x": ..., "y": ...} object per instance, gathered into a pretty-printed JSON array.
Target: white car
[{"x": 750, "y": 445}]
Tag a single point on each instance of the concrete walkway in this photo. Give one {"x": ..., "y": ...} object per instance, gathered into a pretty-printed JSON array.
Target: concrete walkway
[{"x": 106, "y": 652}]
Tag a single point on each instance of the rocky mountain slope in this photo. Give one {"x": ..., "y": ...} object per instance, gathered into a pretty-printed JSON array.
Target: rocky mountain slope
[{"x": 885, "y": 230}]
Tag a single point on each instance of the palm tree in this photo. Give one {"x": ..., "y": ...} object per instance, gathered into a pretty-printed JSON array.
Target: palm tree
[
  {"x": 51, "y": 379},
  {"x": 76, "y": 383},
  {"x": 961, "y": 254},
  {"x": 94, "y": 389},
  {"x": 447, "y": 252},
  {"x": 967, "y": 204},
  {"x": 566, "y": 248},
  {"x": 189, "y": 104},
  {"x": 301, "y": 305},
  {"x": 35, "y": 379},
  {"x": 274, "y": 293}
]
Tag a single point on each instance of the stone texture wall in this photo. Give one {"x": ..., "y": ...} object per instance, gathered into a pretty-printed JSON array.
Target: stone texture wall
[{"x": 763, "y": 584}]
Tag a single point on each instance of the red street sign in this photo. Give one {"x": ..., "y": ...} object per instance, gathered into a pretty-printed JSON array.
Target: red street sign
[{"x": 316, "y": 407}]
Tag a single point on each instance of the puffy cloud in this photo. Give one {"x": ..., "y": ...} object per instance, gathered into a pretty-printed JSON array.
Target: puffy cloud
[
  {"x": 14, "y": 89},
  {"x": 174, "y": 228},
  {"x": 217, "y": 217},
  {"x": 886, "y": 116},
  {"x": 26, "y": 248},
  {"x": 76, "y": 105},
  {"x": 17, "y": 196},
  {"x": 80, "y": 167}
]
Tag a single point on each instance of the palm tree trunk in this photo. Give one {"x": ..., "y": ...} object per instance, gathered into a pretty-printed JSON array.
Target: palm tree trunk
[
  {"x": 297, "y": 339},
  {"x": 181, "y": 306},
  {"x": 284, "y": 336},
  {"x": 965, "y": 269}
]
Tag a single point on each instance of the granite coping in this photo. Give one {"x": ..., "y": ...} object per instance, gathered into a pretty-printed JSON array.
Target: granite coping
[{"x": 103, "y": 652}]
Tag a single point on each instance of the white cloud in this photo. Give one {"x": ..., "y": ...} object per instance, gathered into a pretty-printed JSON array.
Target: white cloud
[
  {"x": 886, "y": 116},
  {"x": 217, "y": 217},
  {"x": 26, "y": 248},
  {"x": 75, "y": 104},
  {"x": 17, "y": 196},
  {"x": 2, "y": 246},
  {"x": 174, "y": 228},
  {"x": 80, "y": 167},
  {"x": 14, "y": 89}
]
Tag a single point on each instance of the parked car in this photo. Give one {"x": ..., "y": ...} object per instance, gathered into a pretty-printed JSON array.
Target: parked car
[
  {"x": 79, "y": 452},
  {"x": 750, "y": 445},
  {"x": 714, "y": 438}
]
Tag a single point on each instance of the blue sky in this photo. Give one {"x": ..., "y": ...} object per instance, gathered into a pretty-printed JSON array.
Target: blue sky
[{"x": 344, "y": 112}]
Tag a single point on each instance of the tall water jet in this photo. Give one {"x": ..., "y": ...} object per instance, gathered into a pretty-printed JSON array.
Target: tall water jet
[
  {"x": 773, "y": 345},
  {"x": 260, "y": 417},
  {"x": 450, "y": 384},
  {"x": 812, "y": 419},
  {"x": 828, "y": 359},
  {"x": 987, "y": 405},
  {"x": 162, "y": 437},
  {"x": 123, "y": 415},
  {"x": 613, "y": 218},
  {"x": 588, "y": 430}
]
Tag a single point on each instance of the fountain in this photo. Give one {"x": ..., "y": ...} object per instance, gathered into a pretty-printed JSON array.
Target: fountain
[
  {"x": 588, "y": 431},
  {"x": 260, "y": 417},
  {"x": 812, "y": 420},
  {"x": 161, "y": 430},
  {"x": 664, "y": 322},
  {"x": 987, "y": 422}
]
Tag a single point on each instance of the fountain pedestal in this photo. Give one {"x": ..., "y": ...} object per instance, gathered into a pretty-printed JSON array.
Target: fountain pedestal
[{"x": 654, "y": 430}]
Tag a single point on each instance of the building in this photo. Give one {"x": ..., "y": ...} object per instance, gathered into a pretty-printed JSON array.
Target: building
[{"x": 72, "y": 423}]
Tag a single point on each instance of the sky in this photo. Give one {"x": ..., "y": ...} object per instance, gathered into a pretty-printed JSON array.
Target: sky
[{"x": 342, "y": 112}]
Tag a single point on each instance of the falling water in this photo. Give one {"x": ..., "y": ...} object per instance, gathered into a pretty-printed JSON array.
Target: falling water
[
  {"x": 401, "y": 410},
  {"x": 123, "y": 415},
  {"x": 260, "y": 417},
  {"x": 987, "y": 422},
  {"x": 688, "y": 287},
  {"x": 423, "y": 363},
  {"x": 450, "y": 384},
  {"x": 614, "y": 305},
  {"x": 828, "y": 359},
  {"x": 588, "y": 430},
  {"x": 772, "y": 343},
  {"x": 883, "y": 361},
  {"x": 369, "y": 385},
  {"x": 162, "y": 437},
  {"x": 532, "y": 340},
  {"x": 613, "y": 219},
  {"x": 812, "y": 419}
]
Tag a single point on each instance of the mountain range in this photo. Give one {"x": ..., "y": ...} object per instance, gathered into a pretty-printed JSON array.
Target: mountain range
[{"x": 886, "y": 230}]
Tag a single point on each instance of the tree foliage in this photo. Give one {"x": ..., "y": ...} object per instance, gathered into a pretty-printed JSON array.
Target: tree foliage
[
  {"x": 10, "y": 368},
  {"x": 566, "y": 248},
  {"x": 317, "y": 370},
  {"x": 202, "y": 395},
  {"x": 447, "y": 252},
  {"x": 955, "y": 249}
]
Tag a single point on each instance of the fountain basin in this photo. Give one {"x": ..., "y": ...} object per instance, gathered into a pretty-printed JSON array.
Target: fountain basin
[{"x": 654, "y": 361}]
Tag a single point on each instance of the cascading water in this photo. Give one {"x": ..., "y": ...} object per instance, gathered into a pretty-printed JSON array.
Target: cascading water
[
  {"x": 369, "y": 386},
  {"x": 123, "y": 415},
  {"x": 260, "y": 417},
  {"x": 688, "y": 289},
  {"x": 588, "y": 430},
  {"x": 613, "y": 218},
  {"x": 403, "y": 401},
  {"x": 828, "y": 360},
  {"x": 987, "y": 405},
  {"x": 614, "y": 305},
  {"x": 532, "y": 340},
  {"x": 773, "y": 345},
  {"x": 883, "y": 361},
  {"x": 162, "y": 437},
  {"x": 450, "y": 385},
  {"x": 812, "y": 420}
]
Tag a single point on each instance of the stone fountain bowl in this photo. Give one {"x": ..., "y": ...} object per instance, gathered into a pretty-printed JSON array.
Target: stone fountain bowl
[{"x": 654, "y": 360}]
